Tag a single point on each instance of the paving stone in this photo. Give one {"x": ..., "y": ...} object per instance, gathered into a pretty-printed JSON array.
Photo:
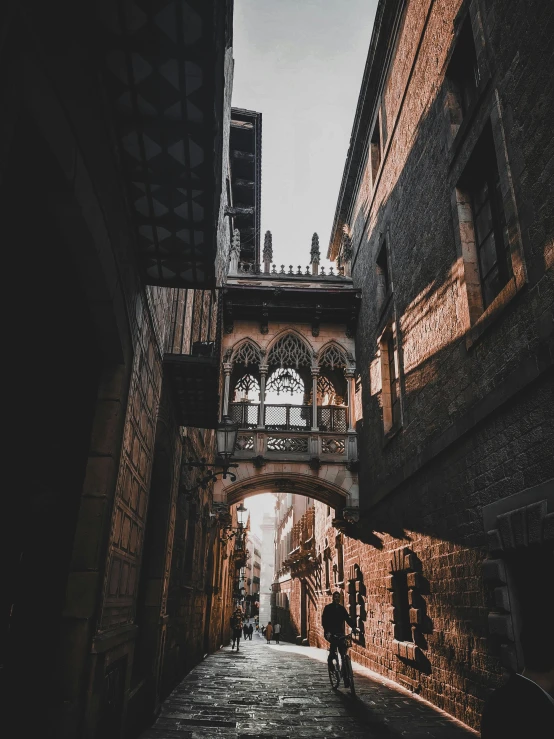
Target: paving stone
[{"x": 283, "y": 692}]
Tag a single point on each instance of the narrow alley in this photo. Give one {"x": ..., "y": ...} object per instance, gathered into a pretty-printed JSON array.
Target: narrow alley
[
  {"x": 283, "y": 691},
  {"x": 284, "y": 353}
]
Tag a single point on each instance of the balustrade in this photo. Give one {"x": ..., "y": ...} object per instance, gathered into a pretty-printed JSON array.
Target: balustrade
[{"x": 289, "y": 417}]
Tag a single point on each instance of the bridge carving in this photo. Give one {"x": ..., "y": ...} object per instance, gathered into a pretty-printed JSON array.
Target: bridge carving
[{"x": 300, "y": 344}]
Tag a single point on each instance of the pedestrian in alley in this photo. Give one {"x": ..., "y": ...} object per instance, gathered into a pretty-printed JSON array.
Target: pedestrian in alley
[
  {"x": 245, "y": 631},
  {"x": 236, "y": 628},
  {"x": 268, "y": 632},
  {"x": 250, "y": 631},
  {"x": 524, "y": 705},
  {"x": 277, "y": 631}
]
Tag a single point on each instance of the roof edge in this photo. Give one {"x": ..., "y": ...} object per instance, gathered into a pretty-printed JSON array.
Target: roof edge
[{"x": 383, "y": 37}]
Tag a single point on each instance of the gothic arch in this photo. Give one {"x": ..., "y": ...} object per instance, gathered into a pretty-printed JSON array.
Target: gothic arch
[
  {"x": 333, "y": 354},
  {"x": 300, "y": 351},
  {"x": 246, "y": 352},
  {"x": 289, "y": 482}
]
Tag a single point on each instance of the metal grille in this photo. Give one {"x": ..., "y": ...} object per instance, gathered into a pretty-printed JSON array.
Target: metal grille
[
  {"x": 245, "y": 414},
  {"x": 288, "y": 417},
  {"x": 333, "y": 446},
  {"x": 332, "y": 418},
  {"x": 284, "y": 444},
  {"x": 245, "y": 443}
]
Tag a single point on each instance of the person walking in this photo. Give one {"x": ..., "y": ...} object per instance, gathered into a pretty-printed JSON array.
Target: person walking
[
  {"x": 277, "y": 631},
  {"x": 245, "y": 631},
  {"x": 268, "y": 632},
  {"x": 236, "y": 628},
  {"x": 250, "y": 631}
]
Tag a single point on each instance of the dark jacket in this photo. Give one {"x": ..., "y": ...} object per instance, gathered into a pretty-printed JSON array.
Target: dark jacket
[
  {"x": 518, "y": 709},
  {"x": 334, "y": 617}
]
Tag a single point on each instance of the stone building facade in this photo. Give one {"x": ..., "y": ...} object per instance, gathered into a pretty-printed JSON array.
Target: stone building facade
[
  {"x": 445, "y": 208},
  {"x": 116, "y": 577}
]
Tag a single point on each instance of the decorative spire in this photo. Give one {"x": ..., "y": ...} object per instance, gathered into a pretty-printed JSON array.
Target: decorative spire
[
  {"x": 235, "y": 246},
  {"x": 346, "y": 247},
  {"x": 315, "y": 255},
  {"x": 268, "y": 247}
]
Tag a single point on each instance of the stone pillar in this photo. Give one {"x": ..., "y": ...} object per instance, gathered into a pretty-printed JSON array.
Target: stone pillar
[
  {"x": 227, "y": 369},
  {"x": 263, "y": 374},
  {"x": 350, "y": 374},
  {"x": 315, "y": 375}
]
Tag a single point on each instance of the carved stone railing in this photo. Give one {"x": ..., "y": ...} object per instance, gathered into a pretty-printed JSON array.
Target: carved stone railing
[
  {"x": 254, "y": 268},
  {"x": 327, "y": 447}
]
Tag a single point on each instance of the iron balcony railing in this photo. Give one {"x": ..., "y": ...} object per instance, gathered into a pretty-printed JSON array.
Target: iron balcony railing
[{"x": 289, "y": 417}]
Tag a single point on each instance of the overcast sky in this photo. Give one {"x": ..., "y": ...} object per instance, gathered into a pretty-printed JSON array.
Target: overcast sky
[{"x": 300, "y": 62}]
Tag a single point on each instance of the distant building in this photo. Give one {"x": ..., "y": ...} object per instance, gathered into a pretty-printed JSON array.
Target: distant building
[{"x": 267, "y": 567}]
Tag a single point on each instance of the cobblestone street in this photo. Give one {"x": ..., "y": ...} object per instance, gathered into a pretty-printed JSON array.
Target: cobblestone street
[{"x": 283, "y": 691}]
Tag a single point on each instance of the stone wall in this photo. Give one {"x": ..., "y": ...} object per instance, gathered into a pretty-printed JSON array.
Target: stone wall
[{"x": 475, "y": 429}]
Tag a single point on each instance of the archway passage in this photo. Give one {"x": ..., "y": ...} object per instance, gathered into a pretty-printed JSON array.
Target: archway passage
[{"x": 252, "y": 482}]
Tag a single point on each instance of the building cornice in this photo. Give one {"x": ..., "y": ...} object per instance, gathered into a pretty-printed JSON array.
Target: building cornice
[{"x": 383, "y": 39}]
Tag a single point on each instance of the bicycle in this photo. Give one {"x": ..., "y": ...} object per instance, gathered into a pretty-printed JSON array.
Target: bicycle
[{"x": 336, "y": 670}]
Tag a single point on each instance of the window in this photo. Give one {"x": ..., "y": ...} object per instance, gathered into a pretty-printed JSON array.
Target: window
[
  {"x": 486, "y": 243},
  {"x": 390, "y": 391},
  {"x": 402, "y": 626},
  {"x": 463, "y": 73},
  {"x": 383, "y": 276}
]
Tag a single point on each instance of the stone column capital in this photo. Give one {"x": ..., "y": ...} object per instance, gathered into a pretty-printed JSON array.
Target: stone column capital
[
  {"x": 350, "y": 372},
  {"x": 315, "y": 371},
  {"x": 264, "y": 369},
  {"x": 227, "y": 367}
]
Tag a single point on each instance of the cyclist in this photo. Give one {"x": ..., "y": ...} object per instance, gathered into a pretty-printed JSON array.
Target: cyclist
[{"x": 333, "y": 618}]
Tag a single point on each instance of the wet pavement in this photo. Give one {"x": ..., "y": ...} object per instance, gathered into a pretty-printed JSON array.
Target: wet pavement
[{"x": 283, "y": 691}]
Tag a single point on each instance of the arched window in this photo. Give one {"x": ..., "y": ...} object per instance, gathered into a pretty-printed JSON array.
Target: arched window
[
  {"x": 289, "y": 351},
  {"x": 332, "y": 356},
  {"x": 247, "y": 388},
  {"x": 285, "y": 381},
  {"x": 247, "y": 354}
]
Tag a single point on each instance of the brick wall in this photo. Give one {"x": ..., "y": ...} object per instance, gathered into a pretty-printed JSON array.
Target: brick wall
[{"x": 476, "y": 388}]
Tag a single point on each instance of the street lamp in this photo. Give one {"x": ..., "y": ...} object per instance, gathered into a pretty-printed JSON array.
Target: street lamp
[
  {"x": 241, "y": 510},
  {"x": 226, "y": 439}
]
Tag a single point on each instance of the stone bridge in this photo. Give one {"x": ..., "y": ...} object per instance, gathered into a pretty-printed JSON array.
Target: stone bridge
[{"x": 292, "y": 335}]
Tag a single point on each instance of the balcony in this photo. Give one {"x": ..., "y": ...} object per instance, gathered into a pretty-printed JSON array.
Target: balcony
[
  {"x": 289, "y": 417},
  {"x": 287, "y": 433},
  {"x": 192, "y": 357}
]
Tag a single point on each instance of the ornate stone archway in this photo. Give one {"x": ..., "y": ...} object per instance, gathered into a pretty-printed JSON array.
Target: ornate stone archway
[{"x": 337, "y": 488}]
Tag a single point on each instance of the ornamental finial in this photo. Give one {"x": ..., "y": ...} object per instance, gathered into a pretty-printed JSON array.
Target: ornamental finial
[
  {"x": 315, "y": 253},
  {"x": 268, "y": 247}
]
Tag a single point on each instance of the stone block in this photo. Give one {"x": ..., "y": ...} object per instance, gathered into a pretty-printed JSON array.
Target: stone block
[
  {"x": 494, "y": 570},
  {"x": 494, "y": 541},
  {"x": 501, "y": 625},
  {"x": 502, "y": 598}
]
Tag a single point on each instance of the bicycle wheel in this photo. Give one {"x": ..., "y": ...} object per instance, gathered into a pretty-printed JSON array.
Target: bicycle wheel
[
  {"x": 349, "y": 674},
  {"x": 334, "y": 672}
]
